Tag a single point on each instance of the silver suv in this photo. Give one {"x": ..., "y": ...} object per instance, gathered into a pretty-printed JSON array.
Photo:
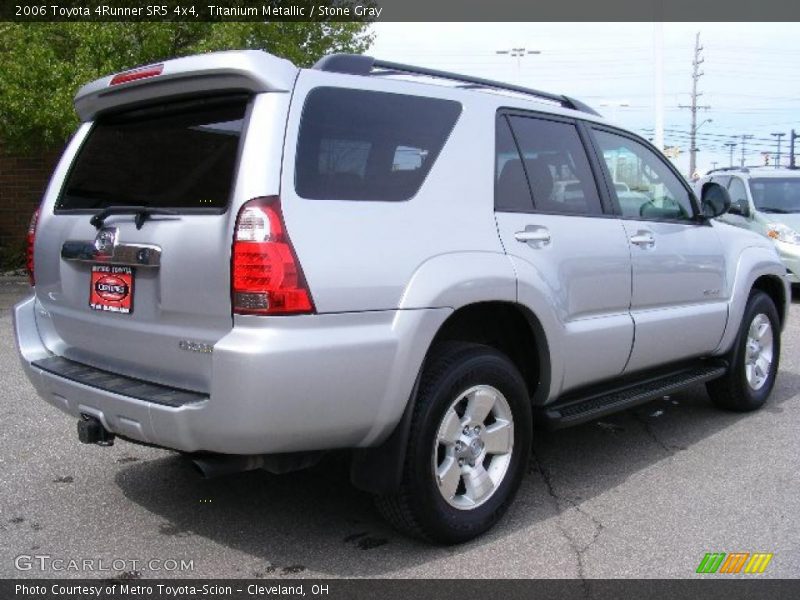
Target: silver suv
[
  {"x": 253, "y": 264},
  {"x": 765, "y": 200}
]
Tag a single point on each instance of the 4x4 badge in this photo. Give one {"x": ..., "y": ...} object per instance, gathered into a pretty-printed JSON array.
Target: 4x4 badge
[{"x": 106, "y": 240}]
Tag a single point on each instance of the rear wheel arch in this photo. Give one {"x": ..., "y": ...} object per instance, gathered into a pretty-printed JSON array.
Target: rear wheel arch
[
  {"x": 509, "y": 328},
  {"x": 464, "y": 463}
]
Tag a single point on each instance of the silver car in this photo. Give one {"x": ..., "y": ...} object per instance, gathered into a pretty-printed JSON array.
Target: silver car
[
  {"x": 766, "y": 200},
  {"x": 254, "y": 264}
]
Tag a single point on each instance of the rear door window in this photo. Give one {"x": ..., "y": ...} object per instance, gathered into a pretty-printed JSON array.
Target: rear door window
[
  {"x": 511, "y": 192},
  {"x": 178, "y": 156},
  {"x": 364, "y": 145},
  {"x": 554, "y": 160}
]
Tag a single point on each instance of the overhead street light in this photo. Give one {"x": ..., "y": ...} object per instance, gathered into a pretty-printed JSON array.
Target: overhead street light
[
  {"x": 517, "y": 53},
  {"x": 703, "y": 123}
]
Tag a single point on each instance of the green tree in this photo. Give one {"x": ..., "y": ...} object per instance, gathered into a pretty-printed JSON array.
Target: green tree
[{"x": 42, "y": 65}]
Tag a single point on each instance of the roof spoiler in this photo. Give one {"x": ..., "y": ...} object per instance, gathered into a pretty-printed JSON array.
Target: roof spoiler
[{"x": 239, "y": 70}]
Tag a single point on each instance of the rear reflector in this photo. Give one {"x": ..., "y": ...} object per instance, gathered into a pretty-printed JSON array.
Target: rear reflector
[
  {"x": 30, "y": 240},
  {"x": 266, "y": 278},
  {"x": 136, "y": 74}
]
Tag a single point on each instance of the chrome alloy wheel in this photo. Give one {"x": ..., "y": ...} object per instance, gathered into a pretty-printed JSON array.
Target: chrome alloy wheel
[
  {"x": 473, "y": 447},
  {"x": 759, "y": 351}
]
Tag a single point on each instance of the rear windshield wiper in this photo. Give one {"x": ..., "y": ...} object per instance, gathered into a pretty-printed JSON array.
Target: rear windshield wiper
[{"x": 142, "y": 214}]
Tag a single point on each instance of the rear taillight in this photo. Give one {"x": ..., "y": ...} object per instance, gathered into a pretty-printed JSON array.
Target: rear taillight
[
  {"x": 30, "y": 239},
  {"x": 266, "y": 278},
  {"x": 136, "y": 74}
]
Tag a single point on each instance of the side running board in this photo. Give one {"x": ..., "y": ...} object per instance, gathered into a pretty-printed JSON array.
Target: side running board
[{"x": 580, "y": 408}]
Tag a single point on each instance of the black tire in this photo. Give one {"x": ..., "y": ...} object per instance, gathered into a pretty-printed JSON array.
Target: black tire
[
  {"x": 418, "y": 508},
  {"x": 733, "y": 391}
]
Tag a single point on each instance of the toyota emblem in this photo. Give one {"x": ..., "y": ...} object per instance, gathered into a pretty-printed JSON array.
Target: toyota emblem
[{"x": 105, "y": 240}]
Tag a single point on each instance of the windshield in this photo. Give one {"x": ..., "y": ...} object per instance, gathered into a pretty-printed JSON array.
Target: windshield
[
  {"x": 178, "y": 156},
  {"x": 776, "y": 195}
]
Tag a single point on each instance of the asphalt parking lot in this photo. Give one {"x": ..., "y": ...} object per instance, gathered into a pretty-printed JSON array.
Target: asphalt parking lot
[{"x": 645, "y": 493}]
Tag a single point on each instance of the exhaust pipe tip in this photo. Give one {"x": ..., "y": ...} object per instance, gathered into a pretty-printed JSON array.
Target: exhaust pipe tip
[
  {"x": 218, "y": 465},
  {"x": 199, "y": 467}
]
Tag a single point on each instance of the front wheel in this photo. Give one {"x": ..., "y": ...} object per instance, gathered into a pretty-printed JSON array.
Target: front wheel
[
  {"x": 468, "y": 448},
  {"x": 754, "y": 358}
]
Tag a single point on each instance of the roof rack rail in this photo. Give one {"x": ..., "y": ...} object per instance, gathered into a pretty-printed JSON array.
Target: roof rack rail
[
  {"x": 358, "y": 64},
  {"x": 746, "y": 168},
  {"x": 773, "y": 167},
  {"x": 718, "y": 169}
]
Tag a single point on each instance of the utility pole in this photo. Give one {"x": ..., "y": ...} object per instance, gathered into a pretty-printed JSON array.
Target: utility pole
[
  {"x": 792, "y": 137},
  {"x": 731, "y": 146},
  {"x": 744, "y": 143},
  {"x": 658, "y": 71},
  {"x": 713, "y": 165},
  {"x": 693, "y": 107},
  {"x": 778, "y": 158}
]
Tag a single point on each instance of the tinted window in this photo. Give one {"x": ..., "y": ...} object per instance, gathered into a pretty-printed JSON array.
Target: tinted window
[
  {"x": 737, "y": 191},
  {"x": 361, "y": 145},
  {"x": 511, "y": 186},
  {"x": 776, "y": 195},
  {"x": 723, "y": 180},
  {"x": 176, "y": 156},
  {"x": 556, "y": 165},
  {"x": 654, "y": 191}
]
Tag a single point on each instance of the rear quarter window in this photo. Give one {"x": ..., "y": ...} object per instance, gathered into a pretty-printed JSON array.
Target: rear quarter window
[{"x": 365, "y": 145}]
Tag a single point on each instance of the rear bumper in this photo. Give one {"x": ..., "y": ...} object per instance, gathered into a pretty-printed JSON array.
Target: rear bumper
[{"x": 282, "y": 384}]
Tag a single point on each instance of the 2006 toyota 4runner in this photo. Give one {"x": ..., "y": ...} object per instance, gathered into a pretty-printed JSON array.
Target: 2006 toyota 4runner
[{"x": 252, "y": 264}]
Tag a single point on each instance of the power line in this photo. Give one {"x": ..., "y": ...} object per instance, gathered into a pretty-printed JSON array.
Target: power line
[
  {"x": 719, "y": 145},
  {"x": 711, "y": 135}
]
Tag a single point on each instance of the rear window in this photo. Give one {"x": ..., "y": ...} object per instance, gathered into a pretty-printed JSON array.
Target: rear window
[
  {"x": 179, "y": 156},
  {"x": 362, "y": 145}
]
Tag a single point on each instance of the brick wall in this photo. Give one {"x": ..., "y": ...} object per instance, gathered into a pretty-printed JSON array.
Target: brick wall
[{"x": 23, "y": 180}]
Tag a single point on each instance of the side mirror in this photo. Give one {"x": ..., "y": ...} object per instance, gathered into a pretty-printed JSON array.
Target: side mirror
[
  {"x": 714, "y": 200},
  {"x": 740, "y": 207}
]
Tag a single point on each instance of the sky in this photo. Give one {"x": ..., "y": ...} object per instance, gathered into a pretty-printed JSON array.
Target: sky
[{"x": 751, "y": 77}]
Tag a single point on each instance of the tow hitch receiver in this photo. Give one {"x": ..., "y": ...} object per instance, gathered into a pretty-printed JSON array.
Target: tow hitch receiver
[{"x": 91, "y": 431}]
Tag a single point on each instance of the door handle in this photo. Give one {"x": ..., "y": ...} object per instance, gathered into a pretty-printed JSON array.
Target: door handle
[
  {"x": 643, "y": 238},
  {"x": 533, "y": 235}
]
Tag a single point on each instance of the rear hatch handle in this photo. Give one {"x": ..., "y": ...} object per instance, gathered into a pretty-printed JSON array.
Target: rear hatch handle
[{"x": 142, "y": 214}]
